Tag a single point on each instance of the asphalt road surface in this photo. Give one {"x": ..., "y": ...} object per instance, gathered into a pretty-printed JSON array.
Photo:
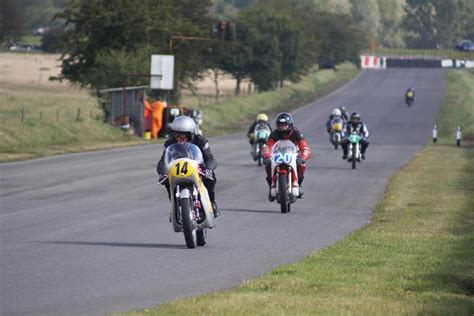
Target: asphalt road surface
[{"x": 88, "y": 233}]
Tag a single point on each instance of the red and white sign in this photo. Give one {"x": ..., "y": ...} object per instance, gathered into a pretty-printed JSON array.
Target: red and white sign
[{"x": 372, "y": 62}]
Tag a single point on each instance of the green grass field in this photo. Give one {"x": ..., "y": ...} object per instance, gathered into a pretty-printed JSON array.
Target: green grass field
[
  {"x": 422, "y": 53},
  {"x": 414, "y": 258},
  {"x": 50, "y": 122},
  {"x": 30, "y": 40}
]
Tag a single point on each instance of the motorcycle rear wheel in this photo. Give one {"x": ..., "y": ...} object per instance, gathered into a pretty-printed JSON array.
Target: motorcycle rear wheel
[
  {"x": 189, "y": 226},
  {"x": 283, "y": 191}
]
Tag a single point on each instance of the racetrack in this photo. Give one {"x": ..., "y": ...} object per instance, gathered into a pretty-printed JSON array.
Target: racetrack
[{"x": 88, "y": 233}]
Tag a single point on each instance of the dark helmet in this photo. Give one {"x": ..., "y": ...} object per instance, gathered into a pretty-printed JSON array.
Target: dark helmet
[
  {"x": 284, "y": 119},
  {"x": 355, "y": 116}
]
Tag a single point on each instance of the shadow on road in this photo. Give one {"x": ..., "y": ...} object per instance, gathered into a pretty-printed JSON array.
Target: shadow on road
[
  {"x": 249, "y": 211},
  {"x": 112, "y": 244}
]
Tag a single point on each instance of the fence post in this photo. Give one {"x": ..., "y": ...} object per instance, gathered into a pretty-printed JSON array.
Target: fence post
[
  {"x": 40, "y": 115},
  {"x": 435, "y": 133},
  {"x": 57, "y": 115},
  {"x": 78, "y": 117},
  {"x": 22, "y": 114},
  {"x": 458, "y": 136}
]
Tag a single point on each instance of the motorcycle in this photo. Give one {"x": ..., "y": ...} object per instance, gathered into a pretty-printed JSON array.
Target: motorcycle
[
  {"x": 354, "y": 149},
  {"x": 409, "y": 98},
  {"x": 191, "y": 209},
  {"x": 261, "y": 134},
  {"x": 284, "y": 174},
  {"x": 337, "y": 124}
]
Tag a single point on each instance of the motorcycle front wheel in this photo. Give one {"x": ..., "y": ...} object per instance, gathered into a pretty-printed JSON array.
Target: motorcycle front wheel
[
  {"x": 189, "y": 226},
  {"x": 259, "y": 155},
  {"x": 283, "y": 191},
  {"x": 354, "y": 156}
]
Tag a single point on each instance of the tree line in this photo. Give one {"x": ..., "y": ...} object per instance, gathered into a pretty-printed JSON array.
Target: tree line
[
  {"x": 275, "y": 41},
  {"x": 102, "y": 41}
]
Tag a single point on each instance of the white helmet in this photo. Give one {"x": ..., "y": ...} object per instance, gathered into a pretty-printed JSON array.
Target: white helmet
[
  {"x": 336, "y": 112},
  {"x": 184, "y": 124}
]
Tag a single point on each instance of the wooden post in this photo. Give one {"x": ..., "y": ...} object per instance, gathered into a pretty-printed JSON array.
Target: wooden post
[
  {"x": 78, "y": 116},
  {"x": 22, "y": 114},
  {"x": 57, "y": 115}
]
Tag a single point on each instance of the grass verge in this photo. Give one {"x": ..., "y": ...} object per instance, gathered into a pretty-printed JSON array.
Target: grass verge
[
  {"x": 415, "y": 257},
  {"x": 50, "y": 125},
  {"x": 422, "y": 53},
  {"x": 39, "y": 121}
]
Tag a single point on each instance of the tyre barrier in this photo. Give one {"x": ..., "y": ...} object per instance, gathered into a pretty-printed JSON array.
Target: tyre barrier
[{"x": 376, "y": 62}]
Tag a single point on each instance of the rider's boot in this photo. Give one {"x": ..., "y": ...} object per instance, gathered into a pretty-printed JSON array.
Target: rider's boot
[
  {"x": 270, "y": 197},
  {"x": 301, "y": 193},
  {"x": 215, "y": 208}
]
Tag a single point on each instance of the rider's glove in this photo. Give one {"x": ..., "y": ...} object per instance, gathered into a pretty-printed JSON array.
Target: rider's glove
[
  {"x": 300, "y": 161},
  {"x": 209, "y": 174},
  {"x": 162, "y": 178}
]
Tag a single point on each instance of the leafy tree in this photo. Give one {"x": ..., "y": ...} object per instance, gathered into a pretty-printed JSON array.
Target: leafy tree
[
  {"x": 51, "y": 42},
  {"x": 39, "y": 12},
  {"x": 113, "y": 27},
  {"x": 392, "y": 14},
  {"x": 12, "y": 20},
  {"x": 296, "y": 46},
  {"x": 366, "y": 15},
  {"x": 234, "y": 59},
  {"x": 337, "y": 39},
  {"x": 467, "y": 19},
  {"x": 434, "y": 23},
  {"x": 334, "y": 6}
]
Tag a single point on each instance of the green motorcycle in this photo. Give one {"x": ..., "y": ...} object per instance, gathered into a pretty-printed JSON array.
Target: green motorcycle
[{"x": 354, "y": 149}]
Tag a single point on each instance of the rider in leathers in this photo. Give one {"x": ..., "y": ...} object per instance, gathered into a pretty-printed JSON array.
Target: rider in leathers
[
  {"x": 262, "y": 119},
  {"x": 285, "y": 130},
  {"x": 410, "y": 94},
  {"x": 355, "y": 124},
  {"x": 183, "y": 128}
]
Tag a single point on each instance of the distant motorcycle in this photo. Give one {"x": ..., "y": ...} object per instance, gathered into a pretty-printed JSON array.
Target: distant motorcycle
[
  {"x": 191, "y": 209},
  {"x": 354, "y": 149},
  {"x": 261, "y": 134},
  {"x": 284, "y": 174},
  {"x": 409, "y": 98},
  {"x": 337, "y": 124}
]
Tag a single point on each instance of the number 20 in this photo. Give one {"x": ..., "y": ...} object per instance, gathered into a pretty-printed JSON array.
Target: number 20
[{"x": 283, "y": 158}]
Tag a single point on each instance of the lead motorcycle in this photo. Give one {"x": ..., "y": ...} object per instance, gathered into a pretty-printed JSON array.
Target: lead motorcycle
[
  {"x": 191, "y": 209},
  {"x": 337, "y": 125},
  {"x": 354, "y": 149},
  {"x": 260, "y": 137},
  {"x": 284, "y": 174},
  {"x": 409, "y": 98}
]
